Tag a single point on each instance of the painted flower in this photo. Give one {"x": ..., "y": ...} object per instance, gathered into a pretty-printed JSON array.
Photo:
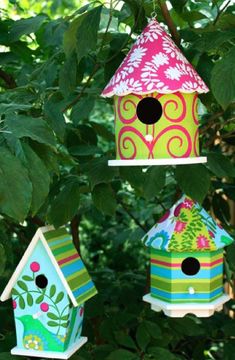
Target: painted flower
[
  {"x": 44, "y": 307},
  {"x": 160, "y": 59},
  {"x": 164, "y": 217},
  {"x": 159, "y": 240},
  {"x": 34, "y": 266},
  {"x": 211, "y": 233},
  {"x": 14, "y": 304},
  {"x": 136, "y": 56},
  {"x": 202, "y": 242},
  {"x": 177, "y": 209},
  {"x": 180, "y": 226},
  {"x": 188, "y": 203},
  {"x": 173, "y": 73},
  {"x": 33, "y": 342}
]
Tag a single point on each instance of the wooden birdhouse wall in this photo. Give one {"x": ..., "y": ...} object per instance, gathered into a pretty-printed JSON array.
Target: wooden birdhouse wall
[
  {"x": 44, "y": 316},
  {"x": 172, "y": 277},
  {"x": 174, "y": 135}
]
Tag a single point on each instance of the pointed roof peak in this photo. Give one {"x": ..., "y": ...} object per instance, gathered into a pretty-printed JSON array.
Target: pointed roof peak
[
  {"x": 154, "y": 63},
  {"x": 187, "y": 227}
]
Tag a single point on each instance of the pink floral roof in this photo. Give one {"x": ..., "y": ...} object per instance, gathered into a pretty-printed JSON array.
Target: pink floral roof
[{"x": 154, "y": 63}]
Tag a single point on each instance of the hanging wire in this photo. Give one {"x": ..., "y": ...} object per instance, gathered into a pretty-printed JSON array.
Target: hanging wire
[{"x": 154, "y": 12}]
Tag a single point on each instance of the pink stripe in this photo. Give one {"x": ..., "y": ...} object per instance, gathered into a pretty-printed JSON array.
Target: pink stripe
[
  {"x": 153, "y": 261},
  {"x": 72, "y": 257}
]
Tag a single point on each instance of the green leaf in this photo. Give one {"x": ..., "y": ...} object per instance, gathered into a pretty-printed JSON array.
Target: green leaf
[
  {"x": 53, "y": 109},
  {"x": 52, "y": 291},
  {"x": 3, "y": 259},
  {"x": 59, "y": 297},
  {"x": 122, "y": 354},
  {"x": 134, "y": 175},
  {"x": 125, "y": 340},
  {"x": 21, "y": 302},
  {"x": 25, "y": 27},
  {"x": 220, "y": 165},
  {"x": 27, "y": 278},
  {"x": 60, "y": 214},
  {"x": 15, "y": 292},
  {"x": 29, "y": 299},
  {"x": 64, "y": 325},
  {"x": 142, "y": 336},
  {"x": 34, "y": 128},
  {"x": 99, "y": 172},
  {"x": 153, "y": 329},
  {"x": 39, "y": 177},
  {"x": 40, "y": 299},
  {"x": 65, "y": 317},
  {"x": 52, "y": 316},
  {"x": 104, "y": 199},
  {"x": 155, "y": 179},
  {"x": 53, "y": 323},
  {"x": 161, "y": 353},
  {"x": 224, "y": 74},
  {"x": 15, "y": 186},
  {"x": 82, "y": 109},
  {"x": 68, "y": 75},
  {"x": 194, "y": 180},
  {"x": 82, "y": 33},
  {"x": 22, "y": 285},
  {"x": 102, "y": 131}
]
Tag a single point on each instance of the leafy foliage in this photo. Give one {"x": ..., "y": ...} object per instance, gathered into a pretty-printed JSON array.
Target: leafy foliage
[{"x": 56, "y": 136}]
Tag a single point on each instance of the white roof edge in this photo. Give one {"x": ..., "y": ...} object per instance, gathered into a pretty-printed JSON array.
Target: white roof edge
[
  {"x": 39, "y": 235},
  {"x": 6, "y": 294},
  {"x": 112, "y": 93}
]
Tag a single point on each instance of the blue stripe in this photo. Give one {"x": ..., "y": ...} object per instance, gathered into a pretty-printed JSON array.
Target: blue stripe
[
  {"x": 60, "y": 241},
  {"x": 178, "y": 274},
  {"x": 172, "y": 296},
  {"x": 83, "y": 289},
  {"x": 72, "y": 268}
]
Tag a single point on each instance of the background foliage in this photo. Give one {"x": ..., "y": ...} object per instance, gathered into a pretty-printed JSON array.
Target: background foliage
[{"x": 56, "y": 136}]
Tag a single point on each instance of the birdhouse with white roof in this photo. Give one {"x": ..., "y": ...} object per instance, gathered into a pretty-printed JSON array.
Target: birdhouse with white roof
[
  {"x": 186, "y": 273},
  {"x": 155, "y": 92},
  {"x": 49, "y": 288}
]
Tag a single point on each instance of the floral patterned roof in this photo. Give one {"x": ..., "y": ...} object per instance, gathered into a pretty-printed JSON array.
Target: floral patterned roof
[
  {"x": 187, "y": 227},
  {"x": 154, "y": 63}
]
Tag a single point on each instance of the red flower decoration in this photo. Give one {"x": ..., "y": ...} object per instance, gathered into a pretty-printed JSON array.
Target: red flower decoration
[
  {"x": 14, "y": 303},
  {"x": 34, "y": 266},
  {"x": 179, "y": 226}
]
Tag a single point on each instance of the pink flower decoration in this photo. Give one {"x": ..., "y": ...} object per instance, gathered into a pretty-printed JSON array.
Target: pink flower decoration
[
  {"x": 14, "y": 303},
  {"x": 164, "y": 217},
  {"x": 202, "y": 242},
  {"x": 44, "y": 307},
  {"x": 34, "y": 266},
  {"x": 81, "y": 311},
  {"x": 180, "y": 226},
  {"x": 177, "y": 209},
  {"x": 188, "y": 203}
]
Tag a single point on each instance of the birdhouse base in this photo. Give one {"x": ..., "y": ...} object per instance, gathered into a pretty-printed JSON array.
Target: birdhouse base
[
  {"x": 150, "y": 162},
  {"x": 51, "y": 354},
  {"x": 180, "y": 310}
]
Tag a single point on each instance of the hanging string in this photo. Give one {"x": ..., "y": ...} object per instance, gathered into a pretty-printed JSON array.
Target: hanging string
[{"x": 154, "y": 12}]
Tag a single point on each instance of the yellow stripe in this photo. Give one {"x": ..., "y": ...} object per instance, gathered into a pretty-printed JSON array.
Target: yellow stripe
[
  {"x": 54, "y": 247},
  {"x": 65, "y": 254},
  {"x": 73, "y": 276}
]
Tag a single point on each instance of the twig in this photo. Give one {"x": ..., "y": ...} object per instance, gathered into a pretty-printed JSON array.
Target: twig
[
  {"x": 221, "y": 11},
  {"x": 75, "y": 231},
  {"x": 172, "y": 28},
  {"x": 8, "y": 79},
  {"x": 133, "y": 217}
]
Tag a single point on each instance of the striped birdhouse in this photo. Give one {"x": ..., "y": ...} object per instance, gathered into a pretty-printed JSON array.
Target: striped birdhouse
[
  {"x": 155, "y": 92},
  {"x": 186, "y": 248},
  {"x": 49, "y": 288}
]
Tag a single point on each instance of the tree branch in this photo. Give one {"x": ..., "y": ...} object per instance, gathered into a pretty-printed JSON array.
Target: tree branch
[
  {"x": 133, "y": 217},
  {"x": 221, "y": 11},
  {"x": 172, "y": 28},
  {"x": 8, "y": 79}
]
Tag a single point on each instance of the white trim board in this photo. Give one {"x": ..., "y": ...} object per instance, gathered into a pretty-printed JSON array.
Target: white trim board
[
  {"x": 150, "y": 162},
  {"x": 51, "y": 354},
  {"x": 38, "y": 236},
  {"x": 180, "y": 310}
]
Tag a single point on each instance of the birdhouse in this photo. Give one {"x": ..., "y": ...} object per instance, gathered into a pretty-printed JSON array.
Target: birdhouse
[
  {"x": 49, "y": 288},
  {"x": 155, "y": 92},
  {"x": 186, "y": 273}
]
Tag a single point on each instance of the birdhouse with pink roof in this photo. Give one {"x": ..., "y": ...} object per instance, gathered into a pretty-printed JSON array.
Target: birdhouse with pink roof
[
  {"x": 155, "y": 92},
  {"x": 186, "y": 272},
  {"x": 49, "y": 288}
]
